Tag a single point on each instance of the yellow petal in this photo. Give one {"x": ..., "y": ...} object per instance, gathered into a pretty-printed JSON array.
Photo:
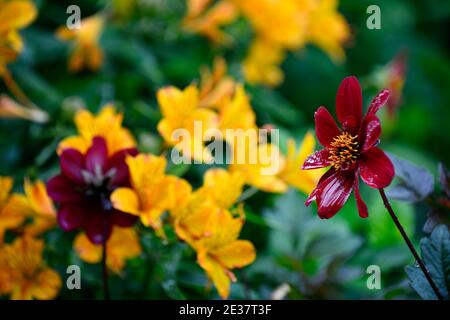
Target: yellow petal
[
  {"x": 39, "y": 199},
  {"x": 6, "y": 184},
  {"x": 16, "y": 14},
  {"x": 86, "y": 250},
  {"x": 74, "y": 142},
  {"x": 47, "y": 285},
  {"x": 236, "y": 254},
  {"x": 126, "y": 200},
  {"x": 216, "y": 273}
]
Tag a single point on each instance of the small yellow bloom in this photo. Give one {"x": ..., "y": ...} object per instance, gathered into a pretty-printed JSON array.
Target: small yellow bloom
[
  {"x": 282, "y": 23},
  {"x": 237, "y": 113},
  {"x": 328, "y": 28},
  {"x": 215, "y": 86},
  {"x": 23, "y": 273},
  {"x": 260, "y": 164},
  {"x": 261, "y": 66},
  {"x": 292, "y": 174},
  {"x": 34, "y": 204},
  {"x": 11, "y": 109},
  {"x": 185, "y": 125},
  {"x": 86, "y": 52},
  {"x": 107, "y": 124},
  {"x": 9, "y": 219},
  {"x": 152, "y": 191},
  {"x": 208, "y": 22},
  {"x": 121, "y": 246},
  {"x": 14, "y": 15},
  {"x": 222, "y": 187},
  {"x": 219, "y": 251}
]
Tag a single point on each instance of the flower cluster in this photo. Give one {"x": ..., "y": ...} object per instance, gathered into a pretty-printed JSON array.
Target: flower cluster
[
  {"x": 279, "y": 26},
  {"x": 220, "y": 108},
  {"x": 23, "y": 271}
]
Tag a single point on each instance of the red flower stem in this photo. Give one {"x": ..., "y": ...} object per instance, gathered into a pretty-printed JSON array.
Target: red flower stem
[{"x": 410, "y": 245}]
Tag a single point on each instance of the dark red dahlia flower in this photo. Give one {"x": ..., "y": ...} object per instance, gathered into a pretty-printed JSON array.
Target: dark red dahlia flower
[
  {"x": 84, "y": 186},
  {"x": 351, "y": 151}
]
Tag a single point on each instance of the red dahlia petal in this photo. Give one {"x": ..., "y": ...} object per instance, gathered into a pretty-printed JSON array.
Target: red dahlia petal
[
  {"x": 326, "y": 127},
  {"x": 333, "y": 193},
  {"x": 312, "y": 196},
  {"x": 117, "y": 164},
  {"x": 122, "y": 219},
  {"x": 71, "y": 217},
  {"x": 98, "y": 228},
  {"x": 72, "y": 165},
  {"x": 379, "y": 100},
  {"x": 61, "y": 189},
  {"x": 370, "y": 132},
  {"x": 318, "y": 159},
  {"x": 97, "y": 155},
  {"x": 349, "y": 104},
  {"x": 376, "y": 168},
  {"x": 362, "y": 208}
]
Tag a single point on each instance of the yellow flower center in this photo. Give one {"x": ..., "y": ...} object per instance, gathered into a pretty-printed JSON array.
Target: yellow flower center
[{"x": 344, "y": 151}]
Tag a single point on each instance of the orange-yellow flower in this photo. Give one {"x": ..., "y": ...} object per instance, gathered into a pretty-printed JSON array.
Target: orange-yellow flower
[
  {"x": 184, "y": 124},
  {"x": 14, "y": 15},
  {"x": 208, "y": 22},
  {"x": 121, "y": 246},
  {"x": 107, "y": 124},
  {"x": 220, "y": 251},
  {"x": 262, "y": 63},
  {"x": 86, "y": 52},
  {"x": 237, "y": 113},
  {"x": 328, "y": 29},
  {"x": 23, "y": 273},
  {"x": 152, "y": 191},
  {"x": 221, "y": 189},
  {"x": 260, "y": 163},
  {"x": 281, "y": 23},
  {"x": 8, "y": 219},
  {"x": 215, "y": 85},
  {"x": 34, "y": 204},
  {"x": 302, "y": 180}
]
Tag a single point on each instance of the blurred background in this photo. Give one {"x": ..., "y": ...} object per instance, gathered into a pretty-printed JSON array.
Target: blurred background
[{"x": 146, "y": 48}]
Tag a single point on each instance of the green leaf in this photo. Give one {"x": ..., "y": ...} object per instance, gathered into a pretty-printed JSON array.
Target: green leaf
[
  {"x": 415, "y": 183},
  {"x": 436, "y": 255}
]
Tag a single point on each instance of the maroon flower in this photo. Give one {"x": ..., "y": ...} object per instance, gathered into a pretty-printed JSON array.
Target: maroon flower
[
  {"x": 84, "y": 186},
  {"x": 350, "y": 151}
]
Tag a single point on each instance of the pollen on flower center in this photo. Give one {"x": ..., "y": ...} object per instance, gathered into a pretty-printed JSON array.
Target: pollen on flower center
[{"x": 344, "y": 151}]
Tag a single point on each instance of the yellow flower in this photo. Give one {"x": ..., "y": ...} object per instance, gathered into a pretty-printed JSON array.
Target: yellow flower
[
  {"x": 281, "y": 23},
  {"x": 14, "y": 15},
  {"x": 121, "y": 246},
  {"x": 262, "y": 63},
  {"x": 208, "y": 22},
  {"x": 24, "y": 274},
  {"x": 219, "y": 251},
  {"x": 107, "y": 124},
  {"x": 34, "y": 204},
  {"x": 222, "y": 187},
  {"x": 328, "y": 29},
  {"x": 11, "y": 109},
  {"x": 9, "y": 219},
  {"x": 260, "y": 164},
  {"x": 292, "y": 174},
  {"x": 215, "y": 85},
  {"x": 184, "y": 124},
  {"x": 152, "y": 191},
  {"x": 86, "y": 52},
  {"x": 237, "y": 113}
]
